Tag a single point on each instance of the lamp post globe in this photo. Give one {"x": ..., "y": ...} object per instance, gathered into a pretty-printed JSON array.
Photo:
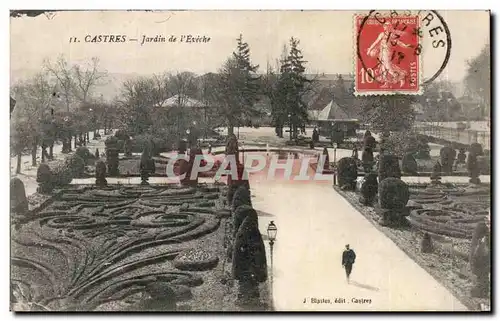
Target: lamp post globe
[{"x": 272, "y": 231}]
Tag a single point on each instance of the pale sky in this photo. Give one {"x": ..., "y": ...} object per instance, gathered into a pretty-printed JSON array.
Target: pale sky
[{"x": 326, "y": 39}]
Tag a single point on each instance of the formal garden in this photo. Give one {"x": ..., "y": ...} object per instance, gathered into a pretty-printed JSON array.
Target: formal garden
[
  {"x": 101, "y": 247},
  {"x": 442, "y": 226}
]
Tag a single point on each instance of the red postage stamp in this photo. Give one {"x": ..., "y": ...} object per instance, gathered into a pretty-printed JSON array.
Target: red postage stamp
[{"x": 387, "y": 55}]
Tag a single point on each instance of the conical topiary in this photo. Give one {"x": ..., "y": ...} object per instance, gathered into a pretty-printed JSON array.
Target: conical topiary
[{"x": 241, "y": 197}]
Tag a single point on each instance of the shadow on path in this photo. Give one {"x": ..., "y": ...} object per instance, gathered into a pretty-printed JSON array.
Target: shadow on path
[
  {"x": 364, "y": 286},
  {"x": 262, "y": 213}
]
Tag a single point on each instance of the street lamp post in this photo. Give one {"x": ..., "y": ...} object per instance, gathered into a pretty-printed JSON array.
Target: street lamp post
[
  {"x": 290, "y": 124},
  {"x": 334, "y": 163},
  {"x": 272, "y": 230}
]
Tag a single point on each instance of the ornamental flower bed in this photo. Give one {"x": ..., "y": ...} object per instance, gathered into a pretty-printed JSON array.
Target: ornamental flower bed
[
  {"x": 115, "y": 248},
  {"x": 447, "y": 214}
]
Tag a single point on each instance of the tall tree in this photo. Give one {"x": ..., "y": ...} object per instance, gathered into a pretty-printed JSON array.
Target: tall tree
[
  {"x": 478, "y": 78},
  {"x": 237, "y": 88},
  {"x": 135, "y": 104},
  {"x": 86, "y": 78},
  {"x": 34, "y": 104},
  {"x": 182, "y": 84},
  {"x": 389, "y": 113},
  {"x": 291, "y": 88},
  {"x": 62, "y": 72}
]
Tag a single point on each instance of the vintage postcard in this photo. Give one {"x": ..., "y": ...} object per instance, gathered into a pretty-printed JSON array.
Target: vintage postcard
[{"x": 250, "y": 160}]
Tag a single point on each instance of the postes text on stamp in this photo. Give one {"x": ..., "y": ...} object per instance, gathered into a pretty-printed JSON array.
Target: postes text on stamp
[{"x": 388, "y": 55}]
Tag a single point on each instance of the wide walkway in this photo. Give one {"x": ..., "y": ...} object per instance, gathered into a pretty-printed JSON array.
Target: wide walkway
[{"x": 314, "y": 224}]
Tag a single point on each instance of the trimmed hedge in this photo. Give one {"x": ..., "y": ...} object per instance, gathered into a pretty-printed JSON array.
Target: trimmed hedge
[
  {"x": 84, "y": 153},
  {"x": 76, "y": 165},
  {"x": 347, "y": 173},
  {"x": 241, "y": 196},
  {"x": 388, "y": 167},
  {"x": 100, "y": 174},
  {"x": 369, "y": 189},
  {"x": 18, "y": 200},
  {"x": 447, "y": 155},
  {"x": 240, "y": 214},
  {"x": 393, "y": 193},
  {"x": 409, "y": 164},
  {"x": 249, "y": 254},
  {"x": 476, "y": 149}
]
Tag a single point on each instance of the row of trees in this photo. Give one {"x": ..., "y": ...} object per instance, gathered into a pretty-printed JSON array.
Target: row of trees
[
  {"x": 233, "y": 91},
  {"x": 58, "y": 103}
]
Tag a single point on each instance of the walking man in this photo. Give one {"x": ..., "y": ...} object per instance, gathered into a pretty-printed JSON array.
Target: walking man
[{"x": 348, "y": 258}]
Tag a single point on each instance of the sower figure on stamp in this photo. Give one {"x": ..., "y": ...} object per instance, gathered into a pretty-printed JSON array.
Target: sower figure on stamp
[{"x": 348, "y": 258}]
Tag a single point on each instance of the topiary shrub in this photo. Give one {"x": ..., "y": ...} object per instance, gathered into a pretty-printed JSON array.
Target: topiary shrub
[
  {"x": 480, "y": 260},
  {"x": 461, "y": 157},
  {"x": 484, "y": 165},
  {"x": 62, "y": 175},
  {"x": 127, "y": 147},
  {"x": 182, "y": 146},
  {"x": 426, "y": 245},
  {"x": 388, "y": 167},
  {"x": 239, "y": 215},
  {"x": 249, "y": 260},
  {"x": 347, "y": 172},
  {"x": 369, "y": 141},
  {"x": 409, "y": 164},
  {"x": 121, "y": 134},
  {"x": 83, "y": 153},
  {"x": 423, "y": 150},
  {"x": 369, "y": 189},
  {"x": 100, "y": 174},
  {"x": 393, "y": 195},
  {"x": 188, "y": 180},
  {"x": 473, "y": 168},
  {"x": 232, "y": 147},
  {"x": 76, "y": 166},
  {"x": 241, "y": 196},
  {"x": 367, "y": 159},
  {"x": 476, "y": 149},
  {"x": 230, "y": 193},
  {"x": 447, "y": 155},
  {"x": 436, "y": 173},
  {"x": 147, "y": 166},
  {"x": 112, "y": 152},
  {"x": 44, "y": 179},
  {"x": 18, "y": 200}
]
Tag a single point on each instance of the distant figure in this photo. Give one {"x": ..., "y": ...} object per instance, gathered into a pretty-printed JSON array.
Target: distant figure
[
  {"x": 315, "y": 135},
  {"x": 461, "y": 157},
  {"x": 355, "y": 154},
  {"x": 209, "y": 149},
  {"x": 348, "y": 258}
]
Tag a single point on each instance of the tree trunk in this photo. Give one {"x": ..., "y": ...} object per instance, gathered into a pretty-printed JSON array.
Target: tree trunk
[
  {"x": 76, "y": 141},
  {"x": 33, "y": 154},
  {"x": 51, "y": 151},
  {"x": 230, "y": 130},
  {"x": 18, "y": 166},
  {"x": 43, "y": 152}
]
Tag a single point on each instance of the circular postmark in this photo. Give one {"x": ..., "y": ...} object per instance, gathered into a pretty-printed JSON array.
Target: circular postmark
[{"x": 400, "y": 51}]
